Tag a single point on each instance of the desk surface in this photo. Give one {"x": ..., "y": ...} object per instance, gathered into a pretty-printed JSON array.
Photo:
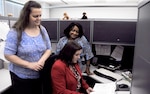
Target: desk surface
[
  {"x": 117, "y": 75},
  {"x": 123, "y": 92},
  {"x": 121, "y": 80},
  {"x": 5, "y": 80}
]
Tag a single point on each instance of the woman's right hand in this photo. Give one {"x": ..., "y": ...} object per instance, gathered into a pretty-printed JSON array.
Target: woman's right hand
[
  {"x": 35, "y": 66},
  {"x": 89, "y": 90}
]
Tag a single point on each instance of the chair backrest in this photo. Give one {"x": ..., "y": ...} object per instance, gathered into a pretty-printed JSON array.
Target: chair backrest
[{"x": 45, "y": 74}]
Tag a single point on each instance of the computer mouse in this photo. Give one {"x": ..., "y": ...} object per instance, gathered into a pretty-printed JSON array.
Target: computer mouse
[{"x": 123, "y": 86}]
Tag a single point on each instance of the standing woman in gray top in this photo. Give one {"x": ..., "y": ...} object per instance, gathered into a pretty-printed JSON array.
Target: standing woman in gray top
[{"x": 27, "y": 48}]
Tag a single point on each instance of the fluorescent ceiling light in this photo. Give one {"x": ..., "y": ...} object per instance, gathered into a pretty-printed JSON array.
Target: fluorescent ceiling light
[
  {"x": 116, "y": 0},
  {"x": 80, "y": 1},
  {"x": 49, "y": 0}
]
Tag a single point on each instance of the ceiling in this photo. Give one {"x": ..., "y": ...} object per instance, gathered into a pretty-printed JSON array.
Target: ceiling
[{"x": 85, "y": 2}]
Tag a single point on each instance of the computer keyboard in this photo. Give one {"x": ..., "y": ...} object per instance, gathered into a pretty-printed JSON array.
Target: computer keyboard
[{"x": 105, "y": 76}]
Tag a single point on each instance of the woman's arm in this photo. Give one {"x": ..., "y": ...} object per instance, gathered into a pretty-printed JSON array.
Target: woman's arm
[
  {"x": 83, "y": 82},
  {"x": 48, "y": 52},
  {"x": 61, "y": 43},
  {"x": 44, "y": 57},
  {"x": 17, "y": 60},
  {"x": 88, "y": 54}
]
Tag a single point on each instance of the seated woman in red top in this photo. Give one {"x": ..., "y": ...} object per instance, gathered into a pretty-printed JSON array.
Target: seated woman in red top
[{"x": 66, "y": 73}]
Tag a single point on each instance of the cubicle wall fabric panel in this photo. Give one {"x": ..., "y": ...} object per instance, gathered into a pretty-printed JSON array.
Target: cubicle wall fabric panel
[
  {"x": 114, "y": 32},
  {"x": 141, "y": 64},
  {"x": 52, "y": 29},
  {"x": 107, "y": 32}
]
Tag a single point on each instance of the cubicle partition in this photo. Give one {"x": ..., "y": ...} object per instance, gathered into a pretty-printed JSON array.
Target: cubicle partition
[
  {"x": 102, "y": 32},
  {"x": 97, "y": 31},
  {"x": 114, "y": 32},
  {"x": 141, "y": 67},
  {"x": 12, "y": 21},
  {"x": 2, "y": 18},
  {"x": 9, "y": 20},
  {"x": 52, "y": 29}
]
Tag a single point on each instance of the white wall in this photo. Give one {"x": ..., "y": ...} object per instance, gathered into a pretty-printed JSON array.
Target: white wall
[
  {"x": 96, "y": 12},
  {"x": 14, "y": 8},
  {"x": 76, "y": 11},
  {"x": 45, "y": 11}
]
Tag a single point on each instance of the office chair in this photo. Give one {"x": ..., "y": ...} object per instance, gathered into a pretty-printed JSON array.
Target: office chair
[{"x": 45, "y": 75}]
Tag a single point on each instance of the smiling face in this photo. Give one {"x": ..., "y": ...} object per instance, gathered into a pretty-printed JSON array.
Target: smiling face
[
  {"x": 35, "y": 16},
  {"x": 74, "y": 33}
]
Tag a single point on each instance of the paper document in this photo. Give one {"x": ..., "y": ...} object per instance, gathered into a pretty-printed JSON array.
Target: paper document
[
  {"x": 108, "y": 88},
  {"x": 117, "y": 53},
  {"x": 103, "y": 49}
]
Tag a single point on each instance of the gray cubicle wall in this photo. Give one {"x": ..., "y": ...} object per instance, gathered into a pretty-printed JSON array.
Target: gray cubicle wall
[
  {"x": 111, "y": 32},
  {"x": 86, "y": 24},
  {"x": 9, "y": 20},
  {"x": 97, "y": 31},
  {"x": 120, "y": 32},
  {"x": 4, "y": 19},
  {"x": 12, "y": 21},
  {"x": 114, "y": 32},
  {"x": 141, "y": 67},
  {"x": 52, "y": 29}
]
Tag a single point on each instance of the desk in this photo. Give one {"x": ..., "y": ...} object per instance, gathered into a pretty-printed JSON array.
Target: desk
[
  {"x": 5, "y": 80},
  {"x": 122, "y": 92},
  {"x": 116, "y": 74}
]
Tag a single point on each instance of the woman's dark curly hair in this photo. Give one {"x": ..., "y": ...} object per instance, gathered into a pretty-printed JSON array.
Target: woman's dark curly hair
[
  {"x": 70, "y": 27},
  {"x": 66, "y": 54}
]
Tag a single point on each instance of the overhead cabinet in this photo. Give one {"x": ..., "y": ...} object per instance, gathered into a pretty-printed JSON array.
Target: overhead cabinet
[{"x": 121, "y": 32}]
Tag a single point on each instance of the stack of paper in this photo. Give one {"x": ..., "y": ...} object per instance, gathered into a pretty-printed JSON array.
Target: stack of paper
[
  {"x": 103, "y": 49},
  {"x": 118, "y": 53},
  {"x": 106, "y": 50},
  {"x": 108, "y": 88}
]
